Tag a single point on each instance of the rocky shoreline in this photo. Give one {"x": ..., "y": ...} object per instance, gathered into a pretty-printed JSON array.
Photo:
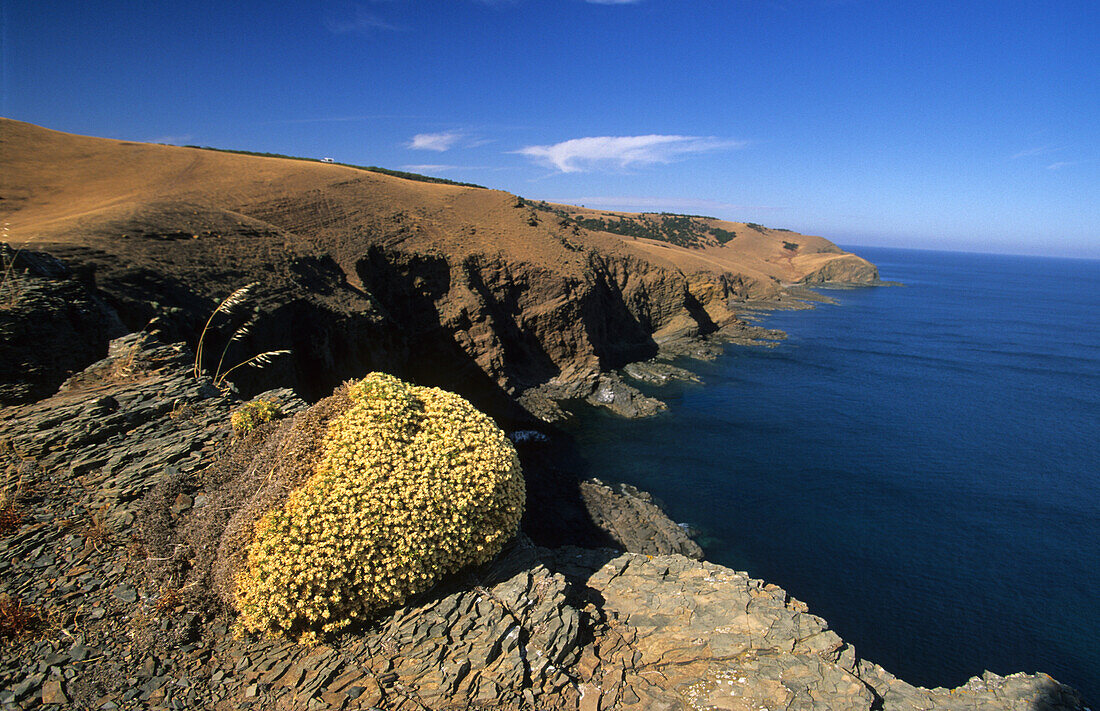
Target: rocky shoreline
[
  {"x": 538, "y": 628},
  {"x": 107, "y": 426}
]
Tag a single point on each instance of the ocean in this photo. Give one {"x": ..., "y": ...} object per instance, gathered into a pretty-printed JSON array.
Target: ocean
[{"x": 917, "y": 463}]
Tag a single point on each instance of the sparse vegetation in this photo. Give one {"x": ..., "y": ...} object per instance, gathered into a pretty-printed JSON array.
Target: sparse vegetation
[
  {"x": 10, "y": 287},
  {"x": 253, "y": 414},
  {"x": 16, "y": 618},
  {"x": 793, "y": 246},
  {"x": 689, "y": 231},
  {"x": 369, "y": 168},
  {"x": 722, "y": 235},
  {"x": 10, "y": 515},
  {"x": 97, "y": 530},
  {"x": 759, "y": 228},
  {"x": 168, "y": 598}
]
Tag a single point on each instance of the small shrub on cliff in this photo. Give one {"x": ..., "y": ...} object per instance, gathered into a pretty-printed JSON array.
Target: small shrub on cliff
[
  {"x": 408, "y": 484},
  {"x": 16, "y": 618},
  {"x": 10, "y": 516},
  {"x": 253, "y": 414}
]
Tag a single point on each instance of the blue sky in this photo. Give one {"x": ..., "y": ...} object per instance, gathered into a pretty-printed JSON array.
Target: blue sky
[{"x": 945, "y": 125}]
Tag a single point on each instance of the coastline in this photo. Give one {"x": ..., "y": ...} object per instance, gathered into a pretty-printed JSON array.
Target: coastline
[
  {"x": 564, "y": 628},
  {"x": 111, "y": 424},
  {"x": 916, "y": 484}
]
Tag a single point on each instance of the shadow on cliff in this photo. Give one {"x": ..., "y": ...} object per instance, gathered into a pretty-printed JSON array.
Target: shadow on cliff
[
  {"x": 616, "y": 333},
  {"x": 337, "y": 332},
  {"x": 407, "y": 291},
  {"x": 1051, "y": 696}
]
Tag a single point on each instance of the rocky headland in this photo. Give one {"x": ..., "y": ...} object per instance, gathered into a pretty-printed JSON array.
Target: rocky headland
[
  {"x": 89, "y": 623},
  {"x": 124, "y": 251}
]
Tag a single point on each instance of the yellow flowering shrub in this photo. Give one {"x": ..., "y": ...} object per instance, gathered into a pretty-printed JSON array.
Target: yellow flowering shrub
[
  {"x": 411, "y": 484},
  {"x": 253, "y": 414}
]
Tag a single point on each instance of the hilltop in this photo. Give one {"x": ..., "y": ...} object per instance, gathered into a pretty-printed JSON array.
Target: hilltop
[
  {"x": 468, "y": 288},
  {"x": 109, "y": 434}
]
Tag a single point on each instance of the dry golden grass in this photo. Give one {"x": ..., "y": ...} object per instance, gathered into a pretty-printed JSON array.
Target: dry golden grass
[{"x": 77, "y": 190}]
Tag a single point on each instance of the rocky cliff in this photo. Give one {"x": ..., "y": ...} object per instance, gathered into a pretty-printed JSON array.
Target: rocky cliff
[
  {"x": 600, "y": 604},
  {"x": 471, "y": 289},
  {"x": 92, "y": 617}
]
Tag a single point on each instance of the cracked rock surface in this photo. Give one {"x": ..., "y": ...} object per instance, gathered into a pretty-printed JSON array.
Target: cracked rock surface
[
  {"x": 85, "y": 626},
  {"x": 684, "y": 634}
]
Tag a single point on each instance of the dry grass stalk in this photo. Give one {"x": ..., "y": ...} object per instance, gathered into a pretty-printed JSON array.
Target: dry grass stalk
[
  {"x": 256, "y": 361},
  {"x": 97, "y": 531},
  {"x": 226, "y": 308},
  {"x": 167, "y": 600},
  {"x": 10, "y": 289},
  {"x": 11, "y": 514}
]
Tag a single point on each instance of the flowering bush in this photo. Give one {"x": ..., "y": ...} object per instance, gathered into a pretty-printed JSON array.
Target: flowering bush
[
  {"x": 253, "y": 414},
  {"x": 411, "y": 484}
]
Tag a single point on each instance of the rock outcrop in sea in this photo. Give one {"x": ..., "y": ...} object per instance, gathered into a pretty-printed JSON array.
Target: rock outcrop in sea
[{"x": 90, "y": 623}]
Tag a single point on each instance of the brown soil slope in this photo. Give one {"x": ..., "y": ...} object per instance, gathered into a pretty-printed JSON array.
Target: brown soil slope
[{"x": 469, "y": 288}]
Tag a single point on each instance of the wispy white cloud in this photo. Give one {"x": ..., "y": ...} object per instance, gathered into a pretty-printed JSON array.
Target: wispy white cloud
[
  {"x": 435, "y": 141},
  {"x": 429, "y": 167},
  {"x": 355, "y": 18},
  {"x": 1062, "y": 164},
  {"x": 602, "y": 152},
  {"x": 664, "y": 204},
  {"x": 1037, "y": 151}
]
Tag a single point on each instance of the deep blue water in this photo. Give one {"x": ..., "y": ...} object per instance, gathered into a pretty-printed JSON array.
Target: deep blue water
[{"x": 919, "y": 464}]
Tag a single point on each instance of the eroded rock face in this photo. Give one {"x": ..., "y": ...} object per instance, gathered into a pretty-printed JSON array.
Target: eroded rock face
[
  {"x": 635, "y": 521},
  {"x": 846, "y": 269},
  {"x": 685, "y": 634},
  {"x": 52, "y": 323}
]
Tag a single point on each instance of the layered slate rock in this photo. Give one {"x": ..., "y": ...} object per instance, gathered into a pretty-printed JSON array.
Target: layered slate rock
[
  {"x": 635, "y": 521},
  {"x": 684, "y": 634},
  {"x": 124, "y": 422},
  {"x": 569, "y": 628},
  {"x": 507, "y": 639}
]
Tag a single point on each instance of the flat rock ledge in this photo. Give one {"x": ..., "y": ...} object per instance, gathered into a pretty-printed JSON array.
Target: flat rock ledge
[{"x": 84, "y": 627}]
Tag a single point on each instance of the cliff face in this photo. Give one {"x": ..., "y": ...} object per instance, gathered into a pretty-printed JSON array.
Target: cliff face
[
  {"x": 97, "y": 583},
  {"x": 470, "y": 289}
]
